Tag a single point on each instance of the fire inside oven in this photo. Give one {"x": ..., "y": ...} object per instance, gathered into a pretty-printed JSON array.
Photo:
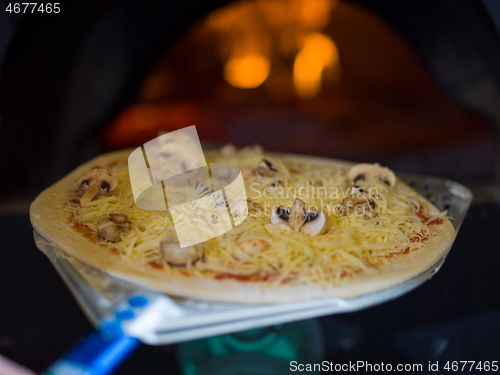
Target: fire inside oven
[{"x": 321, "y": 77}]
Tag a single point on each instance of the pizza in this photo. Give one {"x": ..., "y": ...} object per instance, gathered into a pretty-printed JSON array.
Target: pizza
[{"x": 309, "y": 228}]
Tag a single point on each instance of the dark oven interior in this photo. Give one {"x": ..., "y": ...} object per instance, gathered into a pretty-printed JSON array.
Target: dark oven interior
[{"x": 411, "y": 84}]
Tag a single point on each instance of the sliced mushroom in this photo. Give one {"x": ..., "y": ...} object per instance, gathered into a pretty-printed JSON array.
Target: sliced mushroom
[
  {"x": 362, "y": 201},
  {"x": 240, "y": 208},
  {"x": 356, "y": 197},
  {"x": 273, "y": 187},
  {"x": 267, "y": 169},
  {"x": 121, "y": 220},
  {"x": 365, "y": 172},
  {"x": 229, "y": 151},
  {"x": 247, "y": 173},
  {"x": 214, "y": 218},
  {"x": 176, "y": 255},
  {"x": 124, "y": 228},
  {"x": 118, "y": 218},
  {"x": 109, "y": 231},
  {"x": 280, "y": 215},
  {"x": 297, "y": 214},
  {"x": 257, "y": 148},
  {"x": 200, "y": 213},
  {"x": 297, "y": 168},
  {"x": 96, "y": 182},
  {"x": 316, "y": 223},
  {"x": 311, "y": 222},
  {"x": 253, "y": 207}
]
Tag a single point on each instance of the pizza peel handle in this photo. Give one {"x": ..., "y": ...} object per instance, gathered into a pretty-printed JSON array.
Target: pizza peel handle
[{"x": 95, "y": 354}]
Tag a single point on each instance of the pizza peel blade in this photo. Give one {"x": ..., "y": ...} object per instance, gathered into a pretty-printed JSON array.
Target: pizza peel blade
[{"x": 173, "y": 319}]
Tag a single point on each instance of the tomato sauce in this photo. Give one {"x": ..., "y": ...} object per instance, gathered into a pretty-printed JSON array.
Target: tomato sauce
[
  {"x": 83, "y": 229},
  {"x": 402, "y": 252},
  {"x": 86, "y": 231},
  {"x": 156, "y": 265},
  {"x": 436, "y": 221},
  {"x": 424, "y": 218}
]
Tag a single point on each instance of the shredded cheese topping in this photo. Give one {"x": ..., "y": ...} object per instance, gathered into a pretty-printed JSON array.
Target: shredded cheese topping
[{"x": 355, "y": 242}]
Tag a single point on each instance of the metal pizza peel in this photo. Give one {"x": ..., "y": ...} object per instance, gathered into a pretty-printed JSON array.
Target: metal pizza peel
[
  {"x": 183, "y": 319},
  {"x": 119, "y": 309}
]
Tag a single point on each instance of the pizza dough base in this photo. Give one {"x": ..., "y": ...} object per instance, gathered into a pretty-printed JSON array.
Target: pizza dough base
[{"x": 47, "y": 218}]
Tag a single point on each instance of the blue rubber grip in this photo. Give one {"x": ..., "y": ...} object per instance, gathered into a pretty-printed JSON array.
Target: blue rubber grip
[{"x": 94, "y": 355}]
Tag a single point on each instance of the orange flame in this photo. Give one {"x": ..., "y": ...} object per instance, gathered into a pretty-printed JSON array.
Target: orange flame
[
  {"x": 318, "y": 52},
  {"x": 247, "y": 72}
]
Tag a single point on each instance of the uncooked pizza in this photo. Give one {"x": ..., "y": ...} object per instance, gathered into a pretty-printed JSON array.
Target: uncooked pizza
[{"x": 308, "y": 228}]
